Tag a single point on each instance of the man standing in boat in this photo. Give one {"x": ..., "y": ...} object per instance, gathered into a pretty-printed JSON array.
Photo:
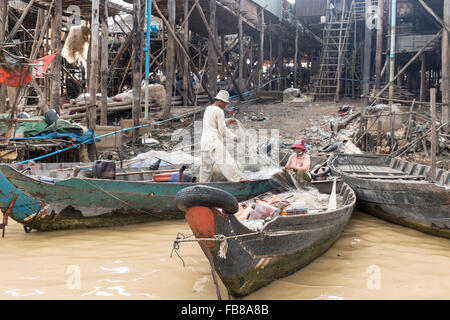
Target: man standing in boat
[{"x": 213, "y": 151}]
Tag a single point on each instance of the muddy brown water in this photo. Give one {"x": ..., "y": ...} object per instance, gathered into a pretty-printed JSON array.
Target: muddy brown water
[{"x": 372, "y": 259}]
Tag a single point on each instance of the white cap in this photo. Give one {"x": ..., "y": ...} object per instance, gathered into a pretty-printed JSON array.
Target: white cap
[{"x": 224, "y": 96}]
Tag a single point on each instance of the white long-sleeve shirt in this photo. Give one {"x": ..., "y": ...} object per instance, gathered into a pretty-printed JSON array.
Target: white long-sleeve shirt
[{"x": 214, "y": 128}]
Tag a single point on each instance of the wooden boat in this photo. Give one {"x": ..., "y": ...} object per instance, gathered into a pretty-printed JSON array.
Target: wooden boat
[
  {"x": 398, "y": 191},
  {"x": 87, "y": 202},
  {"x": 254, "y": 259},
  {"x": 22, "y": 207}
]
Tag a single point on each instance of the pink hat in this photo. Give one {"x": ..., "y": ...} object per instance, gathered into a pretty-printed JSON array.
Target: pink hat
[{"x": 299, "y": 143}]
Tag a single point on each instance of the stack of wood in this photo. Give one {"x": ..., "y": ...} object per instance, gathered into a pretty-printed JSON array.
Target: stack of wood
[{"x": 76, "y": 109}]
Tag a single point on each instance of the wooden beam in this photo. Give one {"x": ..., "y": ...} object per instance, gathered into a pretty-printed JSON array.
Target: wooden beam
[
  {"x": 184, "y": 49},
  {"x": 137, "y": 68},
  {"x": 367, "y": 58},
  {"x": 56, "y": 47},
  {"x": 19, "y": 22},
  {"x": 104, "y": 65},
  {"x": 94, "y": 68},
  {"x": 212, "y": 56},
  {"x": 406, "y": 66},
  {"x": 378, "y": 55},
  {"x": 3, "y": 28},
  {"x": 241, "y": 44},
  {"x": 186, "y": 43},
  {"x": 443, "y": 23},
  {"x": 211, "y": 35},
  {"x": 422, "y": 78},
  {"x": 446, "y": 67},
  {"x": 170, "y": 59}
]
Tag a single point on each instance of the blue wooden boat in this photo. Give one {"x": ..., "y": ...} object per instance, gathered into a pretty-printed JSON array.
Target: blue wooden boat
[{"x": 48, "y": 203}]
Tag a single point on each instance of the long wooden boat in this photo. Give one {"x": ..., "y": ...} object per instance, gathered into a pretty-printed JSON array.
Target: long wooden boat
[
  {"x": 398, "y": 191},
  {"x": 254, "y": 259},
  {"x": 86, "y": 202},
  {"x": 20, "y": 206}
]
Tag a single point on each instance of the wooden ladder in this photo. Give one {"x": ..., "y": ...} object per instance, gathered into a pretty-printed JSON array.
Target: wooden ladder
[{"x": 335, "y": 50}]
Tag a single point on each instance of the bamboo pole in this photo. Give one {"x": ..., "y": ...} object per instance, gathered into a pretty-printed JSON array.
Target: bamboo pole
[{"x": 261, "y": 50}]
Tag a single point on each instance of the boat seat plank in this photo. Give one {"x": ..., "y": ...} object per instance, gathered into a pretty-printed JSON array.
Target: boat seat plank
[
  {"x": 387, "y": 177},
  {"x": 375, "y": 172},
  {"x": 366, "y": 168}
]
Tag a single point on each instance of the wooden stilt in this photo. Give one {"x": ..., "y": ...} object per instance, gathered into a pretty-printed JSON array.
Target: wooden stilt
[
  {"x": 56, "y": 45},
  {"x": 104, "y": 65},
  {"x": 433, "y": 134},
  {"x": 185, "y": 61},
  {"x": 212, "y": 56},
  {"x": 378, "y": 58},
  {"x": 367, "y": 59},
  {"x": 261, "y": 51},
  {"x": 446, "y": 66},
  {"x": 422, "y": 78},
  {"x": 241, "y": 43},
  {"x": 3, "y": 28},
  {"x": 94, "y": 68},
  {"x": 137, "y": 68}
]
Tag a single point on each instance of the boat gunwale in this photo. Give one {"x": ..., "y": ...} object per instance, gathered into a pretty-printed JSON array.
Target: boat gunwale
[{"x": 387, "y": 158}]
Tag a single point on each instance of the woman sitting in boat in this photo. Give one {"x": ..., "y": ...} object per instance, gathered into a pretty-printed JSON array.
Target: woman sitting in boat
[{"x": 297, "y": 168}]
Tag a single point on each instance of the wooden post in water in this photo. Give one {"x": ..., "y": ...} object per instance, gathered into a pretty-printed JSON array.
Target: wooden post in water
[
  {"x": 433, "y": 134},
  {"x": 94, "y": 68},
  {"x": 104, "y": 66}
]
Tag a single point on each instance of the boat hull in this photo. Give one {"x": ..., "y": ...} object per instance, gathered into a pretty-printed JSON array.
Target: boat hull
[
  {"x": 255, "y": 259},
  {"x": 80, "y": 203},
  {"x": 420, "y": 205}
]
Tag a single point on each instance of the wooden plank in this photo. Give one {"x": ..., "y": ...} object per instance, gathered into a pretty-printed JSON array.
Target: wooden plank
[{"x": 408, "y": 177}]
